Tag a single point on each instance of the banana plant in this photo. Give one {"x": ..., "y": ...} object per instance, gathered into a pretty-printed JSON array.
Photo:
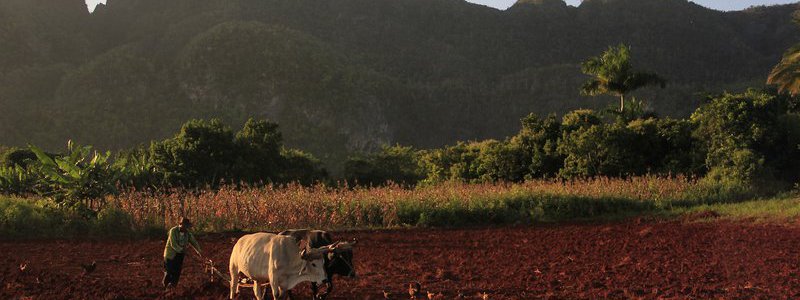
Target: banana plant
[
  {"x": 17, "y": 180},
  {"x": 78, "y": 176}
]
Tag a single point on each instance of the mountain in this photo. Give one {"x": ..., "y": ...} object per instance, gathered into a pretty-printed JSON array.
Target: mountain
[{"x": 352, "y": 75}]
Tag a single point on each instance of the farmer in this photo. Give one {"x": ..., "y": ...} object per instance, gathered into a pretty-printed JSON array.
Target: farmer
[{"x": 179, "y": 237}]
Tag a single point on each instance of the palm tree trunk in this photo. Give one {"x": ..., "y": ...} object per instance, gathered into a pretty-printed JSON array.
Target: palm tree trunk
[{"x": 621, "y": 103}]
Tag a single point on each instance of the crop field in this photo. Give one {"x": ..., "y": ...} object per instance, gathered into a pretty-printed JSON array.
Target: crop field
[
  {"x": 447, "y": 204},
  {"x": 698, "y": 258}
]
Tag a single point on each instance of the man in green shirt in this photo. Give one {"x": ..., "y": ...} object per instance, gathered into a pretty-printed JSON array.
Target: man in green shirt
[{"x": 179, "y": 237}]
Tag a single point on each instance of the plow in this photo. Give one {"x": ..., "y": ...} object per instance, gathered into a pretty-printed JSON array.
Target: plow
[{"x": 216, "y": 275}]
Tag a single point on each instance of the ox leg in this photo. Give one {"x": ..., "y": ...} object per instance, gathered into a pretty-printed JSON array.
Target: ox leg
[
  {"x": 276, "y": 291},
  {"x": 234, "y": 281},
  {"x": 289, "y": 294},
  {"x": 328, "y": 290},
  {"x": 259, "y": 290},
  {"x": 314, "y": 290}
]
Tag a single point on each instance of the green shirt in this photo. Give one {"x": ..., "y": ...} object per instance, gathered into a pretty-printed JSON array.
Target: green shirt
[{"x": 177, "y": 242}]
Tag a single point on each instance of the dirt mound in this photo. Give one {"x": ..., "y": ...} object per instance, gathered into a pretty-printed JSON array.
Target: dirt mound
[{"x": 629, "y": 260}]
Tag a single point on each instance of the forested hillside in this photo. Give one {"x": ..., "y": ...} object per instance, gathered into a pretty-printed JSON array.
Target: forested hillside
[{"x": 351, "y": 75}]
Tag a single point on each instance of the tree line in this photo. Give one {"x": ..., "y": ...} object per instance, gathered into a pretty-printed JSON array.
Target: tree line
[
  {"x": 744, "y": 141},
  {"x": 351, "y": 75}
]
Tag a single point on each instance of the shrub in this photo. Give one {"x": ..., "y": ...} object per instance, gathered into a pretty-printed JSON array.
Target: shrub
[
  {"x": 301, "y": 167},
  {"x": 538, "y": 141},
  {"x": 582, "y": 118},
  {"x": 136, "y": 169},
  {"x": 201, "y": 153},
  {"x": 451, "y": 163},
  {"x": 503, "y": 161},
  {"x": 17, "y": 157},
  {"x": 22, "y": 218},
  {"x": 395, "y": 164},
  {"x": 205, "y": 153},
  {"x": 600, "y": 150},
  {"x": 113, "y": 221},
  {"x": 744, "y": 137}
]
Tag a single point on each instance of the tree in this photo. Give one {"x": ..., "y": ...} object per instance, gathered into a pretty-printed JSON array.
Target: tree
[
  {"x": 614, "y": 75},
  {"x": 203, "y": 152},
  {"x": 395, "y": 164},
  {"x": 259, "y": 152},
  {"x": 786, "y": 74}
]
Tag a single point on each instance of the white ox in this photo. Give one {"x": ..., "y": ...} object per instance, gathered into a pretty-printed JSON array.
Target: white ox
[{"x": 277, "y": 259}]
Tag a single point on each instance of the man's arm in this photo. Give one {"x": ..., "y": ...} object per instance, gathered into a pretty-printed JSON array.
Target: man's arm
[
  {"x": 172, "y": 240},
  {"x": 194, "y": 243}
]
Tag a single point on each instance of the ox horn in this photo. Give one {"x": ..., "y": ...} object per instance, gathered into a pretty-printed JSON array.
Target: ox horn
[
  {"x": 310, "y": 255},
  {"x": 343, "y": 246}
]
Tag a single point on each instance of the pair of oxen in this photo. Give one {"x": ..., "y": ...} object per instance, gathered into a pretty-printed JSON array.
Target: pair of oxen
[{"x": 289, "y": 258}]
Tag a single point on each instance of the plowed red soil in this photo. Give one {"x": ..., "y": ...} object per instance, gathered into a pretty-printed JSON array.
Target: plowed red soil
[{"x": 666, "y": 260}]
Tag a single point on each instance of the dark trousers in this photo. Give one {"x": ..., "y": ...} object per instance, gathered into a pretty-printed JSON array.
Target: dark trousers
[{"x": 172, "y": 270}]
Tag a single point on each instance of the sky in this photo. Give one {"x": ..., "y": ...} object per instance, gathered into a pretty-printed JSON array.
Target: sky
[
  {"x": 715, "y": 4},
  {"x": 503, "y": 4}
]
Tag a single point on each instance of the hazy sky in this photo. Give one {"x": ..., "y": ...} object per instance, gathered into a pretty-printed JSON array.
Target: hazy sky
[
  {"x": 503, "y": 4},
  {"x": 715, "y": 4}
]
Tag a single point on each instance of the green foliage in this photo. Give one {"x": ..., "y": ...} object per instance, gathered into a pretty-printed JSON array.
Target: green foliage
[
  {"x": 394, "y": 164},
  {"x": 17, "y": 180}
]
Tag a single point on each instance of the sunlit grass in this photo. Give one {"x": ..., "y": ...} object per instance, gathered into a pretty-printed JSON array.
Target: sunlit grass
[{"x": 780, "y": 209}]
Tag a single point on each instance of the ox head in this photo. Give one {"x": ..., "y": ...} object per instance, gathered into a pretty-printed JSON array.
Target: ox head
[
  {"x": 340, "y": 259},
  {"x": 314, "y": 259}
]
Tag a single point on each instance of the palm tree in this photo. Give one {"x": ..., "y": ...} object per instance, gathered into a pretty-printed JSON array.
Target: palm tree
[
  {"x": 786, "y": 75},
  {"x": 612, "y": 74}
]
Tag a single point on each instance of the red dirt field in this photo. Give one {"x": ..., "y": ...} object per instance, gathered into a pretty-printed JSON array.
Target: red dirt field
[{"x": 658, "y": 260}]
